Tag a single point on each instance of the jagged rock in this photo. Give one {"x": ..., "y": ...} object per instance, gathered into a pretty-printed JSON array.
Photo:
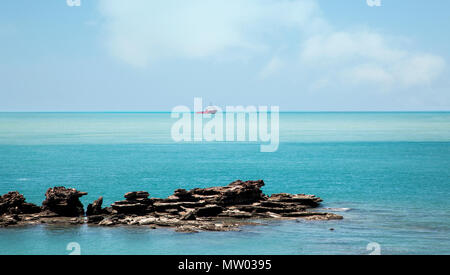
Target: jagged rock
[
  {"x": 64, "y": 201},
  {"x": 222, "y": 208},
  {"x": 135, "y": 203},
  {"x": 184, "y": 195},
  {"x": 237, "y": 192},
  {"x": 136, "y": 195},
  {"x": 125, "y": 207},
  {"x": 14, "y": 203},
  {"x": 242, "y": 193},
  {"x": 95, "y": 208}
]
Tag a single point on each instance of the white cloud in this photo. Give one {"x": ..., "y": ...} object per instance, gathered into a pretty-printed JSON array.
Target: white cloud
[
  {"x": 140, "y": 31},
  {"x": 419, "y": 69},
  {"x": 369, "y": 58}
]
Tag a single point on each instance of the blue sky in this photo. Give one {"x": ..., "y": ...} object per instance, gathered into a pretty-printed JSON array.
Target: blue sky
[{"x": 302, "y": 55}]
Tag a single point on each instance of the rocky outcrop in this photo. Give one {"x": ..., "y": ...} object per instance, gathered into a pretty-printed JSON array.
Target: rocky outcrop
[
  {"x": 235, "y": 193},
  {"x": 222, "y": 208},
  {"x": 14, "y": 203},
  {"x": 95, "y": 208},
  {"x": 64, "y": 202},
  {"x": 135, "y": 203}
]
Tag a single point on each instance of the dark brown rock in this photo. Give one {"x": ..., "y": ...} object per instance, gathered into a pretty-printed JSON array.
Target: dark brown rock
[
  {"x": 237, "y": 192},
  {"x": 184, "y": 195},
  {"x": 14, "y": 203},
  {"x": 126, "y": 207},
  {"x": 301, "y": 199},
  {"x": 95, "y": 208},
  {"x": 136, "y": 195},
  {"x": 242, "y": 193},
  {"x": 136, "y": 202},
  {"x": 95, "y": 219},
  {"x": 209, "y": 211},
  {"x": 64, "y": 201},
  {"x": 164, "y": 206}
]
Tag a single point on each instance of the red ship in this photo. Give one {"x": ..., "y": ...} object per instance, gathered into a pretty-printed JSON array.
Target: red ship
[{"x": 209, "y": 110}]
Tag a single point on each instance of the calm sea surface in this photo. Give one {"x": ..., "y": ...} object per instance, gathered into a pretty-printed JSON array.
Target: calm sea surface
[{"x": 388, "y": 174}]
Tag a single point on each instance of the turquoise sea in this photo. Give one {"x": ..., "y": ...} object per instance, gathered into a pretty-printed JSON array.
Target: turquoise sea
[{"x": 388, "y": 174}]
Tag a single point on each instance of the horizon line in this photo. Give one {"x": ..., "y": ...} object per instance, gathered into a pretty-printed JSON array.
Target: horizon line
[{"x": 162, "y": 112}]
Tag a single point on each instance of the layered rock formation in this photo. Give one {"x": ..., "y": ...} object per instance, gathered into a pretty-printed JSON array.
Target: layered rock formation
[
  {"x": 134, "y": 203},
  {"x": 12, "y": 206},
  {"x": 64, "y": 202},
  {"x": 220, "y": 208},
  {"x": 14, "y": 203}
]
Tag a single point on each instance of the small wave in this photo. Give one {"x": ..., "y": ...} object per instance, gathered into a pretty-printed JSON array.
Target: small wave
[
  {"x": 339, "y": 209},
  {"x": 23, "y": 179}
]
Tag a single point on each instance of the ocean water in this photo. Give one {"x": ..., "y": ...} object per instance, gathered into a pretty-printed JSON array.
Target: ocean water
[{"x": 388, "y": 174}]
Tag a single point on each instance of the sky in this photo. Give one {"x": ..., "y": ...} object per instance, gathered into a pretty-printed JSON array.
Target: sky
[{"x": 301, "y": 55}]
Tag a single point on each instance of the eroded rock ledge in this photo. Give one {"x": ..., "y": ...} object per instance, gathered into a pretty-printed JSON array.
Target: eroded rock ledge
[{"x": 222, "y": 208}]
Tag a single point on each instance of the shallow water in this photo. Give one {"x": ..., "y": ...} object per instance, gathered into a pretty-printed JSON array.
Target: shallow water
[{"x": 391, "y": 170}]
